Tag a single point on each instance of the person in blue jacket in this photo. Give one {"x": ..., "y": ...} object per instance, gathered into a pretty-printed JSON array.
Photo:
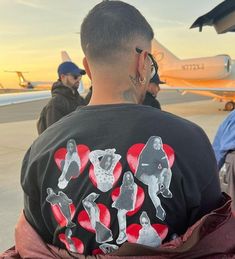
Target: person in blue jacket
[{"x": 225, "y": 139}]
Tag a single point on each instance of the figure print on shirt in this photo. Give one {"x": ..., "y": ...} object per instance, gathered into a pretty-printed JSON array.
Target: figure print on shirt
[
  {"x": 71, "y": 165},
  {"x": 153, "y": 170},
  {"x": 68, "y": 234},
  {"x": 148, "y": 235},
  {"x": 125, "y": 202},
  {"x": 63, "y": 202},
  {"x": 104, "y": 162},
  {"x": 103, "y": 234},
  {"x": 108, "y": 248}
]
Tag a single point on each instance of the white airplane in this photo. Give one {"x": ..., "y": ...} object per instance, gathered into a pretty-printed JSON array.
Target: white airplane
[
  {"x": 14, "y": 98},
  {"x": 208, "y": 76},
  {"x": 37, "y": 85}
]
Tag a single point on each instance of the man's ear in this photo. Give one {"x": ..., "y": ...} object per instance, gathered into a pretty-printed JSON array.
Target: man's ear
[
  {"x": 62, "y": 77},
  {"x": 142, "y": 65},
  {"x": 86, "y": 66}
]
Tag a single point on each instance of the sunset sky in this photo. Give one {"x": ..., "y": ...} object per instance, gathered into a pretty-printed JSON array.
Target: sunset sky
[{"x": 33, "y": 32}]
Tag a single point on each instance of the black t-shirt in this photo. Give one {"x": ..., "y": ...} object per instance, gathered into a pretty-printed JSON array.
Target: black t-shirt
[{"x": 110, "y": 174}]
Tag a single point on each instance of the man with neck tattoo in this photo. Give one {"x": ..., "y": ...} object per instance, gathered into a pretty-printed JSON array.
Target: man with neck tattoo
[{"x": 148, "y": 161}]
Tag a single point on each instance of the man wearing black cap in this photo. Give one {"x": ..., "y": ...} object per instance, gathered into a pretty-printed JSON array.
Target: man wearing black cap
[
  {"x": 65, "y": 96},
  {"x": 152, "y": 91}
]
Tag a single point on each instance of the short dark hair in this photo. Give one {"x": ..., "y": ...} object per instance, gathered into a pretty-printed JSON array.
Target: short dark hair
[{"x": 109, "y": 26}]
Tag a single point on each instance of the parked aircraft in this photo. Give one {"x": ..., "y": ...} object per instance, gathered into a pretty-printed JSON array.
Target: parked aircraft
[
  {"x": 209, "y": 76},
  {"x": 15, "y": 97},
  {"x": 37, "y": 85},
  {"x": 41, "y": 85}
]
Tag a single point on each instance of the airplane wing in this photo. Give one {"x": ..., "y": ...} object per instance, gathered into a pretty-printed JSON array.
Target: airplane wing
[
  {"x": 29, "y": 96},
  {"x": 186, "y": 88},
  {"x": 221, "y": 17},
  {"x": 7, "y": 99},
  {"x": 216, "y": 93}
]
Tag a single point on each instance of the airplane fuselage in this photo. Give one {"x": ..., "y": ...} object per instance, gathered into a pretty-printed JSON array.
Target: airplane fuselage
[{"x": 210, "y": 76}]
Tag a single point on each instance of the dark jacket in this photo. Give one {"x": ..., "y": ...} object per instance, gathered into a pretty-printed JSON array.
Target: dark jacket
[
  {"x": 151, "y": 101},
  {"x": 63, "y": 102}
]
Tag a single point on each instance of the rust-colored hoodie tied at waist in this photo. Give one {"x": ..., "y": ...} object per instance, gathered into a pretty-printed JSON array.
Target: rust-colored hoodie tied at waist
[{"x": 213, "y": 236}]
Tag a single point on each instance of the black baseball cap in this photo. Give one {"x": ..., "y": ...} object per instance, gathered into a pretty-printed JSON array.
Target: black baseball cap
[{"x": 156, "y": 79}]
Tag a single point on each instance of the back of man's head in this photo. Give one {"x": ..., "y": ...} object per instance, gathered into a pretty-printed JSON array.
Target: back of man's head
[{"x": 110, "y": 27}]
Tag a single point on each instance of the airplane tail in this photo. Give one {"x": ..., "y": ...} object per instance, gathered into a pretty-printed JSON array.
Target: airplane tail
[
  {"x": 65, "y": 56},
  {"x": 162, "y": 55},
  {"x": 22, "y": 79},
  {"x": 81, "y": 89}
]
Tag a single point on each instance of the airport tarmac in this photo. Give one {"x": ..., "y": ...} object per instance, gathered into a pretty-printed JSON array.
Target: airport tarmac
[{"x": 18, "y": 130}]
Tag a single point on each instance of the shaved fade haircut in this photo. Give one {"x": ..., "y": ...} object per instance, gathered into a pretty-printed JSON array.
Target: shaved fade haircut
[{"x": 109, "y": 27}]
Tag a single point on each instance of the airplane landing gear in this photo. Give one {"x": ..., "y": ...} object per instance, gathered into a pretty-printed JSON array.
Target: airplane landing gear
[{"x": 229, "y": 106}]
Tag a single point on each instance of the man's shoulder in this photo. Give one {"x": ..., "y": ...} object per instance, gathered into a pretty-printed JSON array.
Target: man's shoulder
[
  {"x": 171, "y": 123},
  {"x": 165, "y": 115},
  {"x": 56, "y": 101}
]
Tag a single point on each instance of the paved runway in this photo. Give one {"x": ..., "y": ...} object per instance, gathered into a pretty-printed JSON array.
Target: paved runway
[{"x": 18, "y": 130}]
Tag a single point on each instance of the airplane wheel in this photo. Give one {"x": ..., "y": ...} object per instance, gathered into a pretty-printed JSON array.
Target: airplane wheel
[{"x": 229, "y": 106}]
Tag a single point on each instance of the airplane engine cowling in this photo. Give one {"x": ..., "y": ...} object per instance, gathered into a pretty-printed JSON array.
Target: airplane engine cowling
[{"x": 211, "y": 68}]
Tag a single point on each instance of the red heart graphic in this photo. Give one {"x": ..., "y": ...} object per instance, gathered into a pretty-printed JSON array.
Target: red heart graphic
[
  {"x": 84, "y": 220},
  {"x": 139, "y": 199},
  {"x": 59, "y": 216},
  {"x": 170, "y": 154},
  {"x": 133, "y": 231},
  {"x": 83, "y": 152},
  {"x": 135, "y": 150},
  {"x": 116, "y": 173},
  {"x": 97, "y": 251},
  {"x": 77, "y": 243}
]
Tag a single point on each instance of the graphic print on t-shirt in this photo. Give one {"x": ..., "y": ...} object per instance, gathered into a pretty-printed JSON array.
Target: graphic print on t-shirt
[
  {"x": 71, "y": 160},
  {"x": 125, "y": 202},
  {"x": 96, "y": 218},
  {"x": 105, "y": 169},
  {"x": 151, "y": 164},
  {"x": 140, "y": 196},
  {"x": 108, "y": 248},
  {"x": 145, "y": 233},
  {"x": 62, "y": 208},
  {"x": 73, "y": 244}
]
